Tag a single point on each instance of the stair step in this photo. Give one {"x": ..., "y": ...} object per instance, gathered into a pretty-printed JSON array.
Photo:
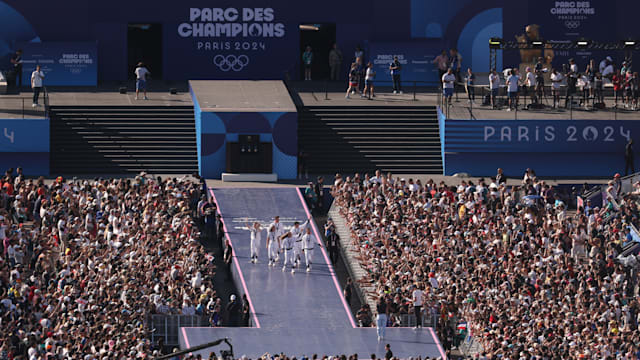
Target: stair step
[{"x": 123, "y": 139}]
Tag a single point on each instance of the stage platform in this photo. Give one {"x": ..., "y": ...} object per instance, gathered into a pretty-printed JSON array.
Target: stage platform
[
  {"x": 298, "y": 314},
  {"x": 11, "y": 105},
  {"x": 242, "y": 95}
]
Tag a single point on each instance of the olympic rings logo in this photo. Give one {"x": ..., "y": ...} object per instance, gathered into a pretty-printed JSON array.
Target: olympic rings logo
[
  {"x": 231, "y": 62},
  {"x": 572, "y": 24}
]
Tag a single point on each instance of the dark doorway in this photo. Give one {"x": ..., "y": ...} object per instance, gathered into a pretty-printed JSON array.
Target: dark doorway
[
  {"x": 144, "y": 43},
  {"x": 321, "y": 38}
]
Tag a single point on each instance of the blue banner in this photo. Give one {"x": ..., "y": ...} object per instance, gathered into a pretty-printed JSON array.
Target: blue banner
[
  {"x": 582, "y": 148},
  {"x": 416, "y": 58},
  {"x": 63, "y": 63},
  {"x": 230, "y": 43},
  {"x": 582, "y": 136}
]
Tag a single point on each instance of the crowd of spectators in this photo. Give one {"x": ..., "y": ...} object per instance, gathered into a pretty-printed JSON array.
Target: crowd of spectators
[
  {"x": 509, "y": 263},
  {"x": 85, "y": 263}
]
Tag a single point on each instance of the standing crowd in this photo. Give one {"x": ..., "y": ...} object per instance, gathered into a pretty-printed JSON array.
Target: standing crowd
[
  {"x": 84, "y": 264},
  {"x": 509, "y": 264},
  {"x": 543, "y": 85}
]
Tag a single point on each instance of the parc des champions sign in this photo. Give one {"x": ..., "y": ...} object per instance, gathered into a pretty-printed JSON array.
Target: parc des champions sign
[{"x": 232, "y": 34}]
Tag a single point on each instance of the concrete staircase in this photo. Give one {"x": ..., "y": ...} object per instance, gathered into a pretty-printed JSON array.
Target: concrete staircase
[
  {"x": 348, "y": 139},
  {"x": 123, "y": 139},
  {"x": 349, "y": 251}
]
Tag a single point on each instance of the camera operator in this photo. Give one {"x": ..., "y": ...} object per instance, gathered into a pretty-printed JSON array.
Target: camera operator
[
  {"x": 571, "y": 72},
  {"x": 539, "y": 71}
]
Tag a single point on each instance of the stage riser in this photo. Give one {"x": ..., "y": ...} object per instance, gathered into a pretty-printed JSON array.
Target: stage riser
[{"x": 123, "y": 139}]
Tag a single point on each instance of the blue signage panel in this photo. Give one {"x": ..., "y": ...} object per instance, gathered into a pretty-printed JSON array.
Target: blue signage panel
[
  {"x": 24, "y": 135},
  {"x": 63, "y": 63},
  {"x": 582, "y": 136},
  {"x": 230, "y": 43},
  {"x": 416, "y": 58},
  {"x": 582, "y": 148},
  {"x": 25, "y": 142}
]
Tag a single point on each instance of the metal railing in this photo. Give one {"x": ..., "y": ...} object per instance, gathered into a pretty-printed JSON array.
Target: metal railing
[
  {"x": 21, "y": 107},
  {"x": 167, "y": 327},
  {"x": 428, "y": 319},
  {"x": 415, "y": 87},
  {"x": 575, "y": 105}
]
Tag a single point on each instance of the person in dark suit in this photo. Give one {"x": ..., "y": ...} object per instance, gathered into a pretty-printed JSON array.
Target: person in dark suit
[
  {"x": 319, "y": 190},
  {"x": 16, "y": 61},
  {"x": 228, "y": 258},
  {"x": 219, "y": 230},
  {"x": 628, "y": 158},
  {"x": 501, "y": 178}
]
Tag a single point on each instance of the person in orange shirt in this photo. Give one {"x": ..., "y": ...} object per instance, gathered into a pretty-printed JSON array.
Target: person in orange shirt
[{"x": 8, "y": 186}]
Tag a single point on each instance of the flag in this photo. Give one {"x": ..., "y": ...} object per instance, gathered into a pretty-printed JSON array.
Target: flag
[{"x": 580, "y": 202}]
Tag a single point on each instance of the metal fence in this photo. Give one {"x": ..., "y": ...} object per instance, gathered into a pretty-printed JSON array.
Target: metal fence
[
  {"x": 168, "y": 326},
  {"x": 428, "y": 320}
]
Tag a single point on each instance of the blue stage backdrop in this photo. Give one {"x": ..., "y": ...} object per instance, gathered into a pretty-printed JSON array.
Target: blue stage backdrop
[
  {"x": 583, "y": 148},
  {"x": 246, "y": 40},
  {"x": 416, "y": 58},
  {"x": 214, "y": 129},
  {"x": 63, "y": 63},
  {"x": 25, "y": 142}
]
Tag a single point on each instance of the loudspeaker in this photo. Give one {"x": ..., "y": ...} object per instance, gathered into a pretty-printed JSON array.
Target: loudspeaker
[
  {"x": 123, "y": 90},
  {"x": 173, "y": 91}
]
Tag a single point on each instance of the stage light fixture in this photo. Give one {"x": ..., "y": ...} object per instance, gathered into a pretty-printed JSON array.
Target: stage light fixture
[
  {"x": 537, "y": 43},
  {"x": 582, "y": 43},
  {"x": 495, "y": 43},
  {"x": 629, "y": 43}
]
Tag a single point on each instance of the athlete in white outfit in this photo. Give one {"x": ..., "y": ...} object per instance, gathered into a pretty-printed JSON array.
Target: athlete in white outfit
[
  {"x": 297, "y": 231},
  {"x": 273, "y": 244},
  {"x": 308, "y": 244},
  {"x": 256, "y": 238},
  {"x": 287, "y": 244},
  {"x": 279, "y": 232}
]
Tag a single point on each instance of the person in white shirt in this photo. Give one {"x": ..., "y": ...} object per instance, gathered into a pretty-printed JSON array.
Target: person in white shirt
[
  {"x": 603, "y": 64},
  {"x": 308, "y": 244},
  {"x": 530, "y": 84},
  {"x": 512, "y": 89},
  {"x": 585, "y": 85},
  {"x": 279, "y": 232},
  {"x": 608, "y": 72},
  {"x": 273, "y": 244},
  {"x": 368, "y": 81},
  {"x": 141, "y": 80},
  {"x": 37, "y": 77},
  {"x": 287, "y": 244},
  {"x": 494, "y": 85},
  {"x": 556, "y": 79},
  {"x": 256, "y": 238},
  {"x": 448, "y": 82},
  {"x": 417, "y": 299},
  {"x": 297, "y": 231}
]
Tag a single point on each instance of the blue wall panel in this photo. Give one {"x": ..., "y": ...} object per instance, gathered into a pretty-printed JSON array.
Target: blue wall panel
[
  {"x": 462, "y": 23},
  {"x": 25, "y": 142},
  {"x": 214, "y": 130},
  {"x": 583, "y": 148}
]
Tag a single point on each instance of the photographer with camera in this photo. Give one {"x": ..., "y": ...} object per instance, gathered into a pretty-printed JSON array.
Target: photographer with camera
[{"x": 571, "y": 72}]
